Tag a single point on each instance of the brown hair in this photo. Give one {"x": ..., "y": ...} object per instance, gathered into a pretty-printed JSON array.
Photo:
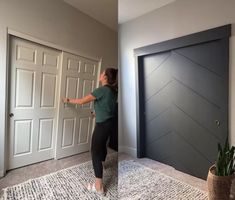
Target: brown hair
[{"x": 112, "y": 77}]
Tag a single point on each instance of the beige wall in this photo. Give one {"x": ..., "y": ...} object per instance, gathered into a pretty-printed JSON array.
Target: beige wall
[
  {"x": 180, "y": 18},
  {"x": 55, "y": 22}
]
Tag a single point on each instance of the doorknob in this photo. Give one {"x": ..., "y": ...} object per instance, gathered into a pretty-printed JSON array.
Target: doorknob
[{"x": 11, "y": 115}]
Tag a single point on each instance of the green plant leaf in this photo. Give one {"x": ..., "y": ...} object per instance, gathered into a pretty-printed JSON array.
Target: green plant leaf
[{"x": 225, "y": 160}]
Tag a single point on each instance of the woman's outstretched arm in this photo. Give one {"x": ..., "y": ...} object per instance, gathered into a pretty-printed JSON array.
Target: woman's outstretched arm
[{"x": 83, "y": 100}]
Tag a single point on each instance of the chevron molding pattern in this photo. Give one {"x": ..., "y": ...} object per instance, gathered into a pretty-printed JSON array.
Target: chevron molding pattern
[{"x": 186, "y": 94}]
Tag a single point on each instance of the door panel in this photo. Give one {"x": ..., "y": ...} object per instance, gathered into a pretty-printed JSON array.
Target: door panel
[
  {"x": 200, "y": 80},
  {"x": 89, "y": 68},
  {"x": 45, "y": 133},
  {"x": 83, "y": 129},
  {"x": 23, "y": 135},
  {"x": 50, "y": 60},
  {"x": 34, "y": 70},
  {"x": 25, "y": 81},
  {"x": 68, "y": 132},
  {"x": 26, "y": 54},
  {"x": 87, "y": 88},
  {"x": 205, "y": 57},
  {"x": 79, "y": 78},
  {"x": 48, "y": 93},
  {"x": 185, "y": 97},
  {"x": 72, "y": 86}
]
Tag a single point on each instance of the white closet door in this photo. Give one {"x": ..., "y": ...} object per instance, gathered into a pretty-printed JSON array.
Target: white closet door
[
  {"x": 79, "y": 78},
  {"x": 34, "y": 73}
]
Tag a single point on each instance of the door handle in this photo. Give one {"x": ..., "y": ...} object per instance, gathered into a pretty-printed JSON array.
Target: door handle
[
  {"x": 11, "y": 115},
  {"x": 217, "y": 122}
]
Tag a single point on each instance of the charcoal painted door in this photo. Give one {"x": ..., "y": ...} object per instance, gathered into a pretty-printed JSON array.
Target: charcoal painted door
[{"x": 186, "y": 105}]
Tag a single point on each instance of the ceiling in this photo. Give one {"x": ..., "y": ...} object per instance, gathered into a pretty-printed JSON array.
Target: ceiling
[
  {"x": 131, "y": 9},
  {"x": 105, "y": 11}
]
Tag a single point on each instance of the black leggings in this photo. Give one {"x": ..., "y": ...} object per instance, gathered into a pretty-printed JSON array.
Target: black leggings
[{"x": 98, "y": 145}]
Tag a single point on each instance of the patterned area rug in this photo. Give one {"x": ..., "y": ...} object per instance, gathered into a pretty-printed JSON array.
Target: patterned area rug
[
  {"x": 135, "y": 181},
  {"x": 67, "y": 184}
]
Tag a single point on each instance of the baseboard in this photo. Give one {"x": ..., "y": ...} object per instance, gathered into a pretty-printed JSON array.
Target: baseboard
[
  {"x": 1, "y": 173},
  {"x": 128, "y": 150}
]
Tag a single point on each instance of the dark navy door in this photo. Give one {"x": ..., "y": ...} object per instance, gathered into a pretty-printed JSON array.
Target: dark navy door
[{"x": 186, "y": 105}]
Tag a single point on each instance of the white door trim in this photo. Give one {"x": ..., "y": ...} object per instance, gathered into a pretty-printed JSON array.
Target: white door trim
[{"x": 25, "y": 36}]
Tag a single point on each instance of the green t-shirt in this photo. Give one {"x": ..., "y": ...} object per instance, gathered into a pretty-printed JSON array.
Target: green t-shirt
[{"x": 105, "y": 103}]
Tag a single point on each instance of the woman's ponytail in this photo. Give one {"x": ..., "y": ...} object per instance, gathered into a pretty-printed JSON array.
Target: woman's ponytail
[{"x": 112, "y": 78}]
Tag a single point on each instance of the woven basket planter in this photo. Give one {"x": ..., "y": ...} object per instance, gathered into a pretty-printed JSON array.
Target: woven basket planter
[{"x": 218, "y": 186}]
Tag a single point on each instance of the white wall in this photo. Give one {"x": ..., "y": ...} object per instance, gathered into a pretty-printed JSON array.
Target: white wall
[
  {"x": 55, "y": 22},
  {"x": 180, "y": 18}
]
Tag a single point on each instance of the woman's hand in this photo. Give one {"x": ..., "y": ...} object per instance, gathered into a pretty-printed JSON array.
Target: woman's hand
[{"x": 81, "y": 101}]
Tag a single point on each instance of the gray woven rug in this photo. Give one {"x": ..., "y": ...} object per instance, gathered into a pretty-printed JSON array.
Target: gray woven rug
[
  {"x": 135, "y": 181},
  {"x": 67, "y": 184}
]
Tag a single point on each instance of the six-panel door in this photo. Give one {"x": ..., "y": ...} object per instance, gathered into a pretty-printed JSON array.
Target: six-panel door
[
  {"x": 34, "y": 73},
  {"x": 78, "y": 79}
]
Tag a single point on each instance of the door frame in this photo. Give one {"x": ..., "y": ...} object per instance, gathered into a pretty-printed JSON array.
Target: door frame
[
  {"x": 10, "y": 32},
  {"x": 222, "y": 32}
]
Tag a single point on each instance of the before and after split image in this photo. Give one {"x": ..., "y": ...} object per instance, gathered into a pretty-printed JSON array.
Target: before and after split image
[{"x": 117, "y": 99}]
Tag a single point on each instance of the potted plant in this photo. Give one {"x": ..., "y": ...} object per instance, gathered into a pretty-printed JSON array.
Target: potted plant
[{"x": 221, "y": 174}]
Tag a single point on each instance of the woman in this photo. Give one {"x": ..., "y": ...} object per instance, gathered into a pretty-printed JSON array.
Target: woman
[{"x": 105, "y": 99}]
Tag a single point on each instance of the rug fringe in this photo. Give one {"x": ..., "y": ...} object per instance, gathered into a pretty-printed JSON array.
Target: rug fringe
[{"x": 3, "y": 194}]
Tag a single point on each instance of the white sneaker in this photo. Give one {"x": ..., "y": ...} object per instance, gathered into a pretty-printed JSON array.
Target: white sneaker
[{"x": 91, "y": 188}]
